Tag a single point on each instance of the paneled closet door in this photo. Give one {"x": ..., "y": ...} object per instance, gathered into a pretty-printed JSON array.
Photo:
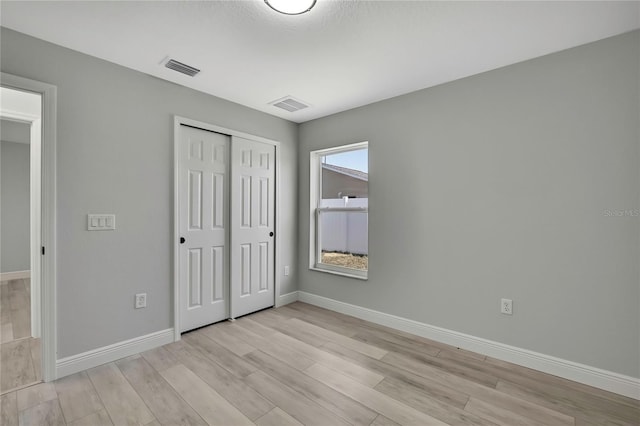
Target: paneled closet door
[
  {"x": 252, "y": 226},
  {"x": 204, "y": 227}
]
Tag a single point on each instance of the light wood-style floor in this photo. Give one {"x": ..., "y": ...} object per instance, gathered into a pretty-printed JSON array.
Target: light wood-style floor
[
  {"x": 20, "y": 359},
  {"x": 15, "y": 314},
  {"x": 300, "y": 364}
]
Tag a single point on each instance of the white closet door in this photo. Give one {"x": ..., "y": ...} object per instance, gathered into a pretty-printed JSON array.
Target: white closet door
[
  {"x": 203, "y": 223},
  {"x": 252, "y": 226}
]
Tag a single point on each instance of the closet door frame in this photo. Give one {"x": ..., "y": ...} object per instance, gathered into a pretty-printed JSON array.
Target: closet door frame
[{"x": 177, "y": 122}]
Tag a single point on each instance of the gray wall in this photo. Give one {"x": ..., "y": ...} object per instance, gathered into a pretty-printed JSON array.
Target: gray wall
[
  {"x": 115, "y": 155},
  {"x": 14, "y": 201},
  {"x": 14, "y": 131},
  {"x": 511, "y": 175}
]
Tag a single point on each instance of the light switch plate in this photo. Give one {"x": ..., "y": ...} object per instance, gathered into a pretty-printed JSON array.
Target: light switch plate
[{"x": 101, "y": 222}]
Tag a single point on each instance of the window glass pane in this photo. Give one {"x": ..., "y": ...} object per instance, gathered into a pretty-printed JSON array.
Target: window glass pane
[
  {"x": 345, "y": 174},
  {"x": 340, "y": 186},
  {"x": 343, "y": 239}
]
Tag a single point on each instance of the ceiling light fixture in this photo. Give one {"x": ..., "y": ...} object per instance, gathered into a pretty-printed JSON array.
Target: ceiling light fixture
[{"x": 291, "y": 7}]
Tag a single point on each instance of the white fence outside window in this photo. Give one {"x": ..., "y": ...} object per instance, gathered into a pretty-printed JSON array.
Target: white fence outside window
[{"x": 344, "y": 231}]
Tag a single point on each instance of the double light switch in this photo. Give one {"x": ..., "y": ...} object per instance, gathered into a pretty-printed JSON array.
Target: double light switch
[{"x": 101, "y": 222}]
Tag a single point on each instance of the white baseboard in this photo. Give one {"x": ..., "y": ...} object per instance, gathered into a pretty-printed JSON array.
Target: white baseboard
[
  {"x": 592, "y": 376},
  {"x": 285, "y": 299},
  {"x": 17, "y": 275},
  {"x": 96, "y": 357}
]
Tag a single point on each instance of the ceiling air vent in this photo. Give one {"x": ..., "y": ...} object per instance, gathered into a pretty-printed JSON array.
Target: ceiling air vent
[
  {"x": 172, "y": 64},
  {"x": 290, "y": 104}
]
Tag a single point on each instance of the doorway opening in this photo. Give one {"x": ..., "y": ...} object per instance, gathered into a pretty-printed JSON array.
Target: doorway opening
[
  {"x": 27, "y": 232},
  {"x": 20, "y": 194}
]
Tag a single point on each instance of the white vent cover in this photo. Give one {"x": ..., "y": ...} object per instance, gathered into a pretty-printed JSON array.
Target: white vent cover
[
  {"x": 289, "y": 103},
  {"x": 180, "y": 67}
]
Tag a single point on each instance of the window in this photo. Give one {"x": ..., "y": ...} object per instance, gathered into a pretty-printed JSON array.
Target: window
[{"x": 339, "y": 210}]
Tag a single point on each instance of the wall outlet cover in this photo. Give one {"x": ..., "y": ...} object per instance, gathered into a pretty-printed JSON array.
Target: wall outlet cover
[
  {"x": 141, "y": 300},
  {"x": 506, "y": 306}
]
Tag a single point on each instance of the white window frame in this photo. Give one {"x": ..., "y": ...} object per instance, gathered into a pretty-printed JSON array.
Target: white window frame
[{"x": 315, "y": 195}]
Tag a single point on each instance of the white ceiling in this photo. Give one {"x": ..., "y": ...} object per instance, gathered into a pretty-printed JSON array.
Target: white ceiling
[{"x": 341, "y": 55}]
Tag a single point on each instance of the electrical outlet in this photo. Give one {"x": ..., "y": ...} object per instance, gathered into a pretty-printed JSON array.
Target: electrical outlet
[
  {"x": 141, "y": 300},
  {"x": 286, "y": 271},
  {"x": 506, "y": 306}
]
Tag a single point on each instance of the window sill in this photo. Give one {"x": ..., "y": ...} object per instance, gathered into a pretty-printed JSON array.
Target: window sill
[{"x": 342, "y": 274}]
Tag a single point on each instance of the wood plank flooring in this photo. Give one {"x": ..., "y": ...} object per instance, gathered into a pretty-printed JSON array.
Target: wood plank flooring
[
  {"x": 15, "y": 309},
  {"x": 20, "y": 359},
  {"x": 303, "y": 365}
]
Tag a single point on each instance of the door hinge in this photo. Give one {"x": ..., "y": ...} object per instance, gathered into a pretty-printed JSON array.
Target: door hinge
[{"x": 43, "y": 250}]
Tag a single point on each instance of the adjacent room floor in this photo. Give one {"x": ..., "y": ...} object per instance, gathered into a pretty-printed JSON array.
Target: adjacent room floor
[
  {"x": 19, "y": 353},
  {"x": 300, "y": 364}
]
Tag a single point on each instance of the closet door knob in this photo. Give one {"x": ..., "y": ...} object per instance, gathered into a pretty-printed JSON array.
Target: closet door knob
[{"x": 182, "y": 240}]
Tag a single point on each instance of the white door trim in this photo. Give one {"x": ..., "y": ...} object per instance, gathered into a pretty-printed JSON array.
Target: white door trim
[
  {"x": 177, "y": 122},
  {"x": 47, "y": 232}
]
